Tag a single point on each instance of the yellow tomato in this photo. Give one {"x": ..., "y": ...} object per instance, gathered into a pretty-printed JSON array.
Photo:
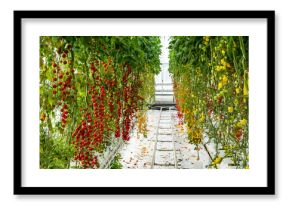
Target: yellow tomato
[
  {"x": 217, "y": 160},
  {"x": 220, "y": 85},
  {"x": 245, "y": 91},
  {"x": 202, "y": 118},
  {"x": 243, "y": 122},
  {"x": 217, "y": 68},
  {"x": 230, "y": 109},
  {"x": 223, "y": 52},
  {"x": 224, "y": 79}
]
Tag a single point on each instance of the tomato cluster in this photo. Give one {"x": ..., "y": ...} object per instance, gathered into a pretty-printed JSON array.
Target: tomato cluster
[
  {"x": 84, "y": 138},
  {"x": 179, "y": 112},
  {"x": 110, "y": 103},
  {"x": 62, "y": 83}
]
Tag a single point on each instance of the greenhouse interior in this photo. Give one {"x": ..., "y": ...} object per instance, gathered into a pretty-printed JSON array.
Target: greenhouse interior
[{"x": 144, "y": 102}]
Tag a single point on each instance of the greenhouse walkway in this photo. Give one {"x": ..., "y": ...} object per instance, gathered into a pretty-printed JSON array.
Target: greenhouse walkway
[
  {"x": 166, "y": 144},
  {"x": 165, "y": 147}
]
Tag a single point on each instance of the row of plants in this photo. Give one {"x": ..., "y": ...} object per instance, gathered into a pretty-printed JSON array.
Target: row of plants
[
  {"x": 210, "y": 75},
  {"x": 91, "y": 88}
]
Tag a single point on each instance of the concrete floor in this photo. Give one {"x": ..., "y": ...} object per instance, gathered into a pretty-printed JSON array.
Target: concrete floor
[{"x": 138, "y": 152}]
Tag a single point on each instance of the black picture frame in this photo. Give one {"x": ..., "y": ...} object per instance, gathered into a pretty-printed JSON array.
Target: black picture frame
[{"x": 269, "y": 16}]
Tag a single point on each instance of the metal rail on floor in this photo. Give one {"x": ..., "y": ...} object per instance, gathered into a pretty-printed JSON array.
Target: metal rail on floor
[
  {"x": 163, "y": 84},
  {"x": 173, "y": 139},
  {"x": 157, "y": 140},
  {"x": 165, "y": 105}
]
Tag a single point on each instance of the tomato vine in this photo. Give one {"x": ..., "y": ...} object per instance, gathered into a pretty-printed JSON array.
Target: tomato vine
[
  {"x": 210, "y": 76},
  {"x": 91, "y": 89}
]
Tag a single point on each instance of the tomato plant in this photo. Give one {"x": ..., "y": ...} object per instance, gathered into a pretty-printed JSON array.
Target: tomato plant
[
  {"x": 210, "y": 75},
  {"x": 91, "y": 89}
]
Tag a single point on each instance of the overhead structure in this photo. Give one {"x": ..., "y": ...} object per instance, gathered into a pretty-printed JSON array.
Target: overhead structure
[{"x": 164, "y": 95}]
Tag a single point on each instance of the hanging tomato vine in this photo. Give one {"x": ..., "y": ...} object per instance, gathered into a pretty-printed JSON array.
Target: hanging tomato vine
[
  {"x": 91, "y": 88},
  {"x": 211, "y": 88}
]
